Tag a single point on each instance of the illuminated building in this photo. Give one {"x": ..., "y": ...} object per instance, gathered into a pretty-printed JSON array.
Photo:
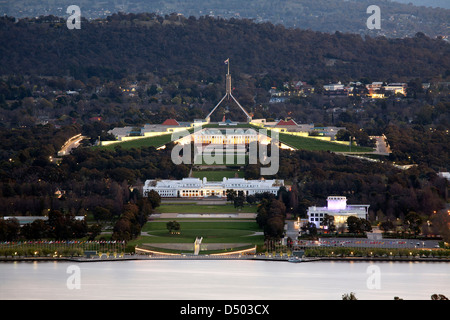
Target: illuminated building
[
  {"x": 339, "y": 209},
  {"x": 197, "y": 188},
  {"x": 396, "y": 88}
]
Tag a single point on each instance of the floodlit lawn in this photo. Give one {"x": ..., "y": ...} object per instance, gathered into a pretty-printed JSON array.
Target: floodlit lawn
[
  {"x": 183, "y": 208},
  {"x": 318, "y": 145},
  {"x": 218, "y": 175},
  {"x": 156, "y": 142}
]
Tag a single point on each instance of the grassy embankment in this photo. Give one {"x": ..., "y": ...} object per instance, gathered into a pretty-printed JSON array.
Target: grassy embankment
[{"x": 236, "y": 234}]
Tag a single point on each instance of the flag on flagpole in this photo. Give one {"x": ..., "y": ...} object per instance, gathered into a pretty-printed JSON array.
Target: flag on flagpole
[{"x": 227, "y": 61}]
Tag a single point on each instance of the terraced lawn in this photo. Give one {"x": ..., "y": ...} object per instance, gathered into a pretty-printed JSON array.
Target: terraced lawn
[
  {"x": 311, "y": 144},
  {"x": 156, "y": 142},
  {"x": 229, "y": 231},
  {"x": 192, "y": 208}
]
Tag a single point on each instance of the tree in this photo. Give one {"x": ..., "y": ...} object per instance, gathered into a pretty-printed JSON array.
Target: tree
[
  {"x": 271, "y": 214},
  {"x": 310, "y": 228},
  {"x": 261, "y": 216},
  {"x": 60, "y": 225},
  {"x": 9, "y": 229},
  {"x": 353, "y": 224},
  {"x": 438, "y": 297},
  {"x": 412, "y": 222},
  {"x": 328, "y": 222},
  {"x": 274, "y": 227},
  {"x": 38, "y": 229},
  {"x": 349, "y": 296},
  {"x": 239, "y": 200},
  {"x": 101, "y": 213},
  {"x": 154, "y": 198},
  {"x": 93, "y": 231},
  {"x": 122, "y": 230},
  {"x": 173, "y": 225},
  {"x": 342, "y": 135},
  {"x": 387, "y": 225},
  {"x": 251, "y": 199},
  {"x": 358, "y": 225},
  {"x": 365, "y": 225},
  {"x": 231, "y": 194},
  {"x": 440, "y": 222}
]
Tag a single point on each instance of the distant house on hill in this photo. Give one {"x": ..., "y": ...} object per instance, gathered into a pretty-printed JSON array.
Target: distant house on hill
[{"x": 334, "y": 86}]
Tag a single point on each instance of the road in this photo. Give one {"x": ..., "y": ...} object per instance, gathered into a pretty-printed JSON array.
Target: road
[
  {"x": 360, "y": 242},
  {"x": 382, "y": 243},
  {"x": 382, "y": 146},
  {"x": 70, "y": 144}
]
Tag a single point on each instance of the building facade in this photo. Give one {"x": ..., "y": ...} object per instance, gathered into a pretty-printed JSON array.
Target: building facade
[
  {"x": 338, "y": 208},
  {"x": 197, "y": 188}
]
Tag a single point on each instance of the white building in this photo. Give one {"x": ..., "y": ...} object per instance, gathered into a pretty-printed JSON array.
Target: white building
[
  {"x": 396, "y": 88},
  {"x": 334, "y": 86},
  {"x": 339, "y": 209},
  {"x": 444, "y": 175},
  {"x": 197, "y": 188}
]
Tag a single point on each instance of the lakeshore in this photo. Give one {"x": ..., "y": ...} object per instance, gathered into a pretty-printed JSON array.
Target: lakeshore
[{"x": 222, "y": 257}]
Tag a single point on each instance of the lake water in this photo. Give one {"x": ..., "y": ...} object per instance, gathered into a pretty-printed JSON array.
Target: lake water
[{"x": 222, "y": 280}]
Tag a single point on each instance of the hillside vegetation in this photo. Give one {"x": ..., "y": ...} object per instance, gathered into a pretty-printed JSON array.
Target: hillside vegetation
[{"x": 196, "y": 49}]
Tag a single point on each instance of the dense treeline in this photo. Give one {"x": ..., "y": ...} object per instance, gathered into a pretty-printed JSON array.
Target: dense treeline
[
  {"x": 420, "y": 145},
  {"x": 196, "y": 48},
  {"x": 392, "y": 193},
  {"x": 27, "y": 145},
  {"x": 87, "y": 182}
]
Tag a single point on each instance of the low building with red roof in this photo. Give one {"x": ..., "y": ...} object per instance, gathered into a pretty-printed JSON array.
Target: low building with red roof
[{"x": 170, "y": 122}]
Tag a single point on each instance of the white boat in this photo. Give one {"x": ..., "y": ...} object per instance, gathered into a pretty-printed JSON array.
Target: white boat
[{"x": 295, "y": 259}]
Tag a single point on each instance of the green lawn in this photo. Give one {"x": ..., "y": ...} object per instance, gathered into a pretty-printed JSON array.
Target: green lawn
[
  {"x": 217, "y": 175},
  {"x": 249, "y": 226},
  {"x": 318, "y": 145},
  {"x": 183, "y": 208},
  {"x": 156, "y": 142},
  {"x": 211, "y": 231}
]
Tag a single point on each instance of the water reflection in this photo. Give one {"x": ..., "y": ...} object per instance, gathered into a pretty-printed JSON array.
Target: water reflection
[{"x": 209, "y": 280}]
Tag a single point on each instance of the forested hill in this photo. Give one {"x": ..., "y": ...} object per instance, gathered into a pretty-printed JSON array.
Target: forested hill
[
  {"x": 398, "y": 19},
  {"x": 133, "y": 43}
]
